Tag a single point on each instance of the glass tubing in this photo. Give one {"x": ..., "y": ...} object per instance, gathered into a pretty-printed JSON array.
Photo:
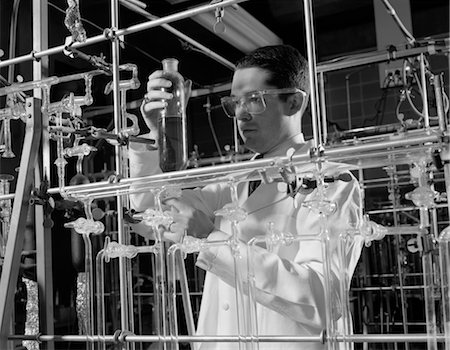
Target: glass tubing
[
  {"x": 311, "y": 51},
  {"x": 202, "y": 181}
]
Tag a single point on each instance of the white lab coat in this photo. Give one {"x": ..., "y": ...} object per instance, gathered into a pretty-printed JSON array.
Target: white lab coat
[{"x": 290, "y": 280}]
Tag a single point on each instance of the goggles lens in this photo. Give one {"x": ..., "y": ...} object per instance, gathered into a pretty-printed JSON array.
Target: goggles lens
[{"x": 253, "y": 102}]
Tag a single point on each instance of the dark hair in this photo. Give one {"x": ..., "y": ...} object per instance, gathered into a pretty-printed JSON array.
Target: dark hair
[{"x": 287, "y": 67}]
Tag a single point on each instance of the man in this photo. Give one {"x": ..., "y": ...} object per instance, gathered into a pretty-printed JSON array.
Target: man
[{"x": 268, "y": 97}]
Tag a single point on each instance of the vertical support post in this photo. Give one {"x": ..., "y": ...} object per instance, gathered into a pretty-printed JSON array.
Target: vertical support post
[
  {"x": 11, "y": 264},
  {"x": 311, "y": 50},
  {"x": 323, "y": 108},
  {"x": 42, "y": 173},
  {"x": 124, "y": 270},
  {"x": 423, "y": 82}
]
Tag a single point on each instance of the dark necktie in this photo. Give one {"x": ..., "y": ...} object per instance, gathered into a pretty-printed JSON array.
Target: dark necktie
[{"x": 253, "y": 185}]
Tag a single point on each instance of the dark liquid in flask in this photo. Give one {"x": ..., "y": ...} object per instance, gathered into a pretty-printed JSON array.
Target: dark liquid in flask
[{"x": 172, "y": 142}]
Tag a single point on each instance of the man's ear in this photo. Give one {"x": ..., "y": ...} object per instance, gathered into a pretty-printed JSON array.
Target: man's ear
[{"x": 294, "y": 103}]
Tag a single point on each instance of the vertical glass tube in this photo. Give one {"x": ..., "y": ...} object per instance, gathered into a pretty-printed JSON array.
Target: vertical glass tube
[
  {"x": 60, "y": 162},
  {"x": 238, "y": 279},
  {"x": 100, "y": 278},
  {"x": 5, "y": 212},
  {"x": 344, "y": 284},
  {"x": 430, "y": 312},
  {"x": 427, "y": 259},
  {"x": 160, "y": 277},
  {"x": 393, "y": 192},
  {"x": 331, "y": 303},
  {"x": 243, "y": 312},
  {"x": 172, "y": 295},
  {"x": 8, "y": 153},
  {"x": 89, "y": 289},
  {"x": 176, "y": 270},
  {"x": 186, "y": 299},
  {"x": 252, "y": 304},
  {"x": 444, "y": 255},
  {"x": 172, "y": 140}
]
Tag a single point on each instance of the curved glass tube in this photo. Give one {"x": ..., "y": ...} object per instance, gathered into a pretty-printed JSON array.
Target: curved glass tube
[
  {"x": 100, "y": 289},
  {"x": 235, "y": 214}
]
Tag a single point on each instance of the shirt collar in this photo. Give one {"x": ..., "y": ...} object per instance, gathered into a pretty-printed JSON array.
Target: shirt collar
[{"x": 297, "y": 141}]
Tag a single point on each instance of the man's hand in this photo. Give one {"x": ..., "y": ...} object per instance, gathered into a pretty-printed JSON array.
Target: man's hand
[
  {"x": 187, "y": 220},
  {"x": 155, "y": 99}
]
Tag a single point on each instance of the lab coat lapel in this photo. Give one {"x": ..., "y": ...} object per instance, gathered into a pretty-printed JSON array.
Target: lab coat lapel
[{"x": 265, "y": 195}]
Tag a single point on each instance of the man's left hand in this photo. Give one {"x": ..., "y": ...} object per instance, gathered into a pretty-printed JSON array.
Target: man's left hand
[{"x": 188, "y": 220}]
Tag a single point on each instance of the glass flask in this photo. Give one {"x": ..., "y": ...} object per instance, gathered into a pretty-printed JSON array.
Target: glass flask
[{"x": 172, "y": 140}]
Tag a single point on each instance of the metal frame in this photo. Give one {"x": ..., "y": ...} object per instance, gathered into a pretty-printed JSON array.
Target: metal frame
[
  {"x": 435, "y": 138},
  {"x": 11, "y": 264}
]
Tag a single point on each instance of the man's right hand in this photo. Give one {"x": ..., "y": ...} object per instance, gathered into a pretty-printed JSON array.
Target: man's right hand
[{"x": 155, "y": 99}]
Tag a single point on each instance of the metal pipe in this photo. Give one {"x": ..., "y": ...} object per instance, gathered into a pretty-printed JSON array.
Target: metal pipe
[
  {"x": 118, "y": 156},
  {"x": 348, "y": 99},
  {"x": 11, "y": 263},
  {"x": 311, "y": 55},
  {"x": 423, "y": 81},
  {"x": 380, "y": 56},
  {"x": 122, "y": 32},
  {"x": 401, "y": 26},
  {"x": 393, "y": 186},
  {"x": 49, "y": 81},
  {"x": 203, "y": 176},
  {"x": 323, "y": 108},
  {"x": 355, "y": 338},
  {"x": 437, "y": 81},
  {"x": 402, "y": 209},
  {"x": 179, "y": 34},
  {"x": 12, "y": 38}
]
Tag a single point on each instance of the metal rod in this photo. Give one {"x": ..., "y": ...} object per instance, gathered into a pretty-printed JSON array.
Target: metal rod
[
  {"x": 311, "y": 55},
  {"x": 48, "y": 81},
  {"x": 437, "y": 81},
  {"x": 11, "y": 264},
  {"x": 123, "y": 271},
  {"x": 179, "y": 34},
  {"x": 200, "y": 176},
  {"x": 424, "y": 91},
  {"x": 323, "y": 108},
  {"x": 122, "y": 32},
  {"x": 380, "y": 56},
  {"x": 402, "y": 27},
  {"x": 355, "y": 338},
  {"x": 402, "y": 209},
  {"x": 393, "y": 186}
]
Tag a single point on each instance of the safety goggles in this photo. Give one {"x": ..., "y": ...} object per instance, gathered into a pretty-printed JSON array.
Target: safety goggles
[{"x": 254, "y": 102}]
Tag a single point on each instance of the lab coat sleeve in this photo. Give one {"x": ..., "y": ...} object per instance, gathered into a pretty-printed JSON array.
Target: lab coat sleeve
[
  {"x": 143, "y": 162},
  {"x": 294, "y": 288}
]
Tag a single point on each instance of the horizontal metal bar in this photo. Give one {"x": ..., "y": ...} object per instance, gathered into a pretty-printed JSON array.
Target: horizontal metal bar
[
  {"x": 248, "y": 170},
  {"x": 401, "y": 209},
  {"x": 122, "y": 32},
  {"x": 30, "y": 85},
  {"x": 393, "y": 288},
  {"x": 179, "y": 34},
  {"x": 167, "y": 339},
  {"x": 380, "y": 56},
  {"x": 355, "y": 338}
]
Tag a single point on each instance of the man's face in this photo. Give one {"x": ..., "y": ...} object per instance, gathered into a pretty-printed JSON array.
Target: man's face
[{"x": 260, "y": 132}]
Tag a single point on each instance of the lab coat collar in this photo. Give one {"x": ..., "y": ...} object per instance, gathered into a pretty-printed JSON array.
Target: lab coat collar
[{"x": 297, "y": 141}]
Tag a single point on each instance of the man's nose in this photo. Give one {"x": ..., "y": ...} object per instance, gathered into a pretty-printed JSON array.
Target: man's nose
[{"x": 241, "y": 112}]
